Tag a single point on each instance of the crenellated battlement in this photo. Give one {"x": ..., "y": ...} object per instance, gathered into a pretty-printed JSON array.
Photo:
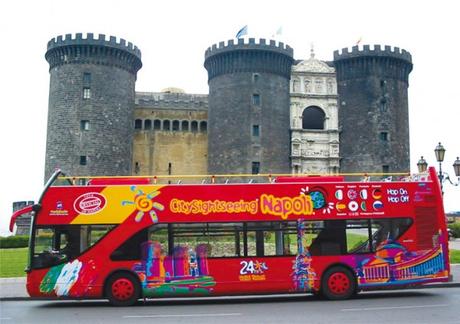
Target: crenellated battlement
[
  {"x": 386, "y": 62},
  {"x": 101, "y": 40},
  {"x": 91, "y": 50},
  {"x": 249, "y": 56},
  {"x": 171, "y": 100},
  {"x": 261, "y": 44},
  {"x": 376, "y": 51}
]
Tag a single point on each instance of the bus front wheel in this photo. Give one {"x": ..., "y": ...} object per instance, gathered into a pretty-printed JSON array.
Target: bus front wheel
[
  {"x": 338, "y": 283},
  {"x": 122, "y": 289}
]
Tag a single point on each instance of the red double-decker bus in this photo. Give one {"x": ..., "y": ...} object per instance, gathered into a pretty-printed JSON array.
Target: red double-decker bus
[{"x": 126, "y": 239}]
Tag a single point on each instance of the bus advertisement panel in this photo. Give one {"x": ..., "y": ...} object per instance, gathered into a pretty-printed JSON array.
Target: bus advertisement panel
[{"x": 125, "y": 241}]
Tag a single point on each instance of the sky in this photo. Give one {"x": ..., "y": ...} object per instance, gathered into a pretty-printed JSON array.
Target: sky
[{"x": 173, "y": 36}]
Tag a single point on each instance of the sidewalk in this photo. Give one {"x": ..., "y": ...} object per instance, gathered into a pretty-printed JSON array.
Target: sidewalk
[
  {"x": 12, "y": 288},
  {"x": 15, "y": 288}
]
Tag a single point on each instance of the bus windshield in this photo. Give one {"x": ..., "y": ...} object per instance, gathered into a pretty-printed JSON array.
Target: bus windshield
[{"x": 53, "y": 245}]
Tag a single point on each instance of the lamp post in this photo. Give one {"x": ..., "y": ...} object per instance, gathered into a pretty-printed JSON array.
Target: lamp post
[{"x": 439, "y": 151}]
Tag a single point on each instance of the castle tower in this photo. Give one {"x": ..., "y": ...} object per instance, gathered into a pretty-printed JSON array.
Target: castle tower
[
  {"x": 373, "y": 109},
  {"x": 248, "y": 116},
  {"x": 91, "y": 102}
]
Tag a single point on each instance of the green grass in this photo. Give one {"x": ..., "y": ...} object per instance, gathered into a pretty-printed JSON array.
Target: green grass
[
  {"x": 454, "y": 256},
  {"x": 13, "y": 262}
]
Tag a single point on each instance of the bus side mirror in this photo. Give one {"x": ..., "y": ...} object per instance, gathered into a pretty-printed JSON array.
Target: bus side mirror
[{"x": 36, "y": 208}]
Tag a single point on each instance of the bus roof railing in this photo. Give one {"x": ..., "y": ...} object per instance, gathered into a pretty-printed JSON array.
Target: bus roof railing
[{"x": 243, "y": 178}]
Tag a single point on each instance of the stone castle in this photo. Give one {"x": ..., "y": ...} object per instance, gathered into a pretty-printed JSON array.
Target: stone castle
[{"x": 265, "y": 112}]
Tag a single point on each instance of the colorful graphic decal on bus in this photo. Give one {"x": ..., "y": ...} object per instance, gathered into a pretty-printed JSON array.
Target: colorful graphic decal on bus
[
  {"x": 252, "y": 270},
  {"x": 121, "y": 204},
  {"x": 144, "y": 204},
  {"x": 304, "y": 275},
  {"x": 394, "y": 264},
  {"x": 319, "y": 199},
  {"x": 183, "y": 273},
  {"x": 359, "y": 200},
  {"x": 72, "y": 279}
]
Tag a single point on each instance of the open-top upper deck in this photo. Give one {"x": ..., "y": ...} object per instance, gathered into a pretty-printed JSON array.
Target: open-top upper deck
[{"x": 114, "y": 200}]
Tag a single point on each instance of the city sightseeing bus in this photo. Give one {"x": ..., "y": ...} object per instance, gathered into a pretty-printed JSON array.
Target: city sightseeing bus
[{"x": 130, "y": 238}]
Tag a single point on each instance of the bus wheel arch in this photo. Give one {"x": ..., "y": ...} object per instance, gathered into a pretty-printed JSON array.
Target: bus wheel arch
[
  {"x": 338, "y": 282},
  {"x": 122, "y": 288}
]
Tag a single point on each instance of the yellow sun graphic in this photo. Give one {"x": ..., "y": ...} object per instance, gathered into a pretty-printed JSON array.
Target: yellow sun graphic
[{"x": 144, "y": 204}]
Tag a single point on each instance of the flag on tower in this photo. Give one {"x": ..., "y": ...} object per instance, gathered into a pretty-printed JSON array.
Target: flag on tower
[
  {"x": 278, "y": 32},
  {"x": 243, "y": 31}
]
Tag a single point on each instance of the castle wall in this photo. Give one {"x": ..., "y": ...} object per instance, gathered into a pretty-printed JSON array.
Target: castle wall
[{"x": 172, "y": 137}]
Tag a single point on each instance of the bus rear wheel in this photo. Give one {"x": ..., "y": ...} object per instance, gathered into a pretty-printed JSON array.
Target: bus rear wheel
[
  {"x": 122, "y": 289},
  {"x": 338, "y": 283}
]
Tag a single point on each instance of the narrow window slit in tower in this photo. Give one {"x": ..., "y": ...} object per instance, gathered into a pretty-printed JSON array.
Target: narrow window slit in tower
[{"x": 83, "y": 160}]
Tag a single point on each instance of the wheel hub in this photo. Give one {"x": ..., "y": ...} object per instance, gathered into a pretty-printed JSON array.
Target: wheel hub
[
  {"x": 338, "y": 283},
  {"x": 122, "y": 289}
]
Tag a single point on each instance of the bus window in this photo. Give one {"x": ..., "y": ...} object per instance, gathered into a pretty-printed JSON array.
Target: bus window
[
  {"x": 331, "y": 239},
  {"x": 386, "y": 230},
  {"x": 93, "y": 234},
  {"x": 310, "y": 232},
  {"x": 159, "y": 233},
  {"x": 189, "y": 236},
  {"x": 131, "y": 249},
  {"x": 44, "y": 239},
  {"x": 225, "y": 239},
  {"x": 357, "y": 232},
  {"x": 221, "y": 239},
  {"x": 399, "y": 226},
  {"x": 271, "y": 238},
  {"x": 261, "y": 239},
  {"x": 251, "y": 246},
  {"x": 54, "y": 245},
  {"x": 289, "y": 238}
]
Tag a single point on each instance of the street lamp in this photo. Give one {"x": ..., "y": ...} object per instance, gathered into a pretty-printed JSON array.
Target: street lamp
[
  {"x": 422, "y": 165},
  {"x": 456, "y": 166},
  {"x": 439, "y": 151}
]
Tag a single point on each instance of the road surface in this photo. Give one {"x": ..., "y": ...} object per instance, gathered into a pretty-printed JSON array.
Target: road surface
[{"x": 436, "y": 305}]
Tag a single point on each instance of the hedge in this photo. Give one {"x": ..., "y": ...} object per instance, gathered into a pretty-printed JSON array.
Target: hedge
[
  {"x": 17, "y": 241},
  {"x": 455, "y": 227}
]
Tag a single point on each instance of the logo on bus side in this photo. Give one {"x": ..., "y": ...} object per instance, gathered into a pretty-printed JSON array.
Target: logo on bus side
[
  {"x": 252, "y": 270},
  {"x": 60, "y": 210},
  {"x": 89, "y": 203},
  {"x": 285, "y": 206}
]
